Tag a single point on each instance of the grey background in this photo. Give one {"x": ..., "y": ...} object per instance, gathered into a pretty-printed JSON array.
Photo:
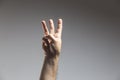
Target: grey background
[{"x": 91, "y": 38}]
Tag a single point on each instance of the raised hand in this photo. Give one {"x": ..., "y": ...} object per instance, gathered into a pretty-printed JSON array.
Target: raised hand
[{"x": 52, "y": 38}]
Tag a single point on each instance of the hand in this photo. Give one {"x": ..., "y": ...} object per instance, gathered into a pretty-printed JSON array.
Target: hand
[{"x": 52, "y": 39}]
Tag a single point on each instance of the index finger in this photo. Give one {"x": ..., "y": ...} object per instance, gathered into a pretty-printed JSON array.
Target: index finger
[{"x": 45, "y": 29}]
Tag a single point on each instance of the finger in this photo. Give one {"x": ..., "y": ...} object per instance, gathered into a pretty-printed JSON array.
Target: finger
[
  {"x": 59, "y": 28},
  {"x": 51, "y": 26},
  {"x": 44, "y": 46},
  {"x": 50, "y": 37},
  {"x": 46, "y": 41},
  {"x": 45, "y": 29}
]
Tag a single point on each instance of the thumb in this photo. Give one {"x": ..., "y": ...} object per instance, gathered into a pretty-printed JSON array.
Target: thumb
[{"x": 51, "y": 37}]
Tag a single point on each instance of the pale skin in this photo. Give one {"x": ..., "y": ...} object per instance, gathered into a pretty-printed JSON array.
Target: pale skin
[{"x": 51, "y": 44}]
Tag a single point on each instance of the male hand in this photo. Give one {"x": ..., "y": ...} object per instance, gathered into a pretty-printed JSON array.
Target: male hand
[{"x": 52, "y": 38}]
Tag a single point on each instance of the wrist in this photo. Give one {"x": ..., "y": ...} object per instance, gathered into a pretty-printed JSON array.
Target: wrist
[
  {"x": 52, "y": 60},
  {"x": 52, "y": 55}
]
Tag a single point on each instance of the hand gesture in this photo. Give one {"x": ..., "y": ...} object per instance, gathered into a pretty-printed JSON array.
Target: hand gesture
[{"x": 52, "y": 38}]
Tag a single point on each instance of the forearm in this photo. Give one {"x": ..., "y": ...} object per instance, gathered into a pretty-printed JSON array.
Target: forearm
[{"x": 49, "y": 70}]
